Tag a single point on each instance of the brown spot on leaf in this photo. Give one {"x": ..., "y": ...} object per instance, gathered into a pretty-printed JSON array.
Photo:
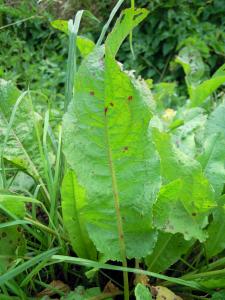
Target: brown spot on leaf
[
  {"x": 125, "y": 149},
  {"x": 105, "y": 110},
  {"x": 130, "y": 98},
  {"x": 92, "y": 93},
  {"x": 194, "y": 214},
  {"x": 111, "y": 104}
]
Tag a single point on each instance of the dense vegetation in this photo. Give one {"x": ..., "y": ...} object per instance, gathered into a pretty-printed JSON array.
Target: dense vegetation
[{"x": 112, "y": 186}]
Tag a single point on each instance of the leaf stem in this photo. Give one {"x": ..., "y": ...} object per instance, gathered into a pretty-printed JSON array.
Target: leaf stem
[
  {"x": 119, "y": 225},
  {"x": 118, "y": 214}
]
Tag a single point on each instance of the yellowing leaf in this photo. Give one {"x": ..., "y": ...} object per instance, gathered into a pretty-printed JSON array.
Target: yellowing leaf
[{"x": 162, "y": 293}]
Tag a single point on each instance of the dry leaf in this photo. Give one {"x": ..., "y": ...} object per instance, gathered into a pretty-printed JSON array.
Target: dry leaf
[
  {"x": 143, "y": 279},
  {"x": 162, "y": 293},
  {"x": 110, "y": 288},
  {"x": 55, "y": 284}
]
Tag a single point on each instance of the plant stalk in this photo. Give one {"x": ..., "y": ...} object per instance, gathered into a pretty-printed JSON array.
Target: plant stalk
[{"x": 118, "y": 216}]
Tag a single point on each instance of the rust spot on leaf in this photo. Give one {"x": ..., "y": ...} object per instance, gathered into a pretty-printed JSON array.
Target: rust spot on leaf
[
  {"x": 105, "y": 110},
  {"x": 92, "y": 93},
  {"x": 130, "y": 98}
]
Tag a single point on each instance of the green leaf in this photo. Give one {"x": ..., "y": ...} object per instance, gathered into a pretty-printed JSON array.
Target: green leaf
[
  {"x": 128, "y": 19},
  {"x": 187, "y": 198},
  {"x": 216, "y": 241},
  {"x": 216, "y": 121},
  {"x": 13, "y": 204},
  {"x": 178, "y": 212},
  {"x": 142, "y": 292},
  {"x": 212, "y": 161},
  {"x": 199, "y": 93},
  {"x": 11, "y": 237},
  {"x": 112, "y": 156},
  {"x": 168, "y": 249},
  {"x": 188, "y": 137},
  {"x": 84, "y": 44},
  {"x": 73, "y": 201},
  {"x": 164, "y": 94},
  {"x": 191, "y": 61},
  {"x": 194, "y": 68},
  {"x": 21, "y": 146}
]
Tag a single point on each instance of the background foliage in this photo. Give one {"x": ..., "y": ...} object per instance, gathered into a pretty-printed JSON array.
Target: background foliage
[{"x": 36, "y": 52}]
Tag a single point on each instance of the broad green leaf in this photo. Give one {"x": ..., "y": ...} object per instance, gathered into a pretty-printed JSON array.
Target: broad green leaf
[
  {"x": 84, "y": 44},
  {"x": 164, "y": 94},
  {"x": 73, "y": 201},
  {"x": 199, "y": 94},
  {"x": 13, "y": 205},
  {"x": 188, "y": 137},
  {"x": 194, "y": 68},
  {"x": 216, "y": 241},
  {"x": 187, "y": 198},
  {"x": 142, "y": 292},
  {"x": 213, "y": 160},
  {"x": 191, "y": 61},
  {"x": 126, "y": 22},
  {"x": 178, "y": 212},
  {"x": 106, "y": 143},
  {"x": 216, "y": 121},
  {"x": 21, "y": 147},
  {"x": 11, "y": 237},
  {"x": 168, "y": 249}
]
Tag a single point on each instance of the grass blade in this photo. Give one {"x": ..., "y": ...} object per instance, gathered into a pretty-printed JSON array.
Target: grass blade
[
  {"x": 106, "y": 26},
  {"x": 26, "y": 265},
  {"x": 94, "y": 264}
]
